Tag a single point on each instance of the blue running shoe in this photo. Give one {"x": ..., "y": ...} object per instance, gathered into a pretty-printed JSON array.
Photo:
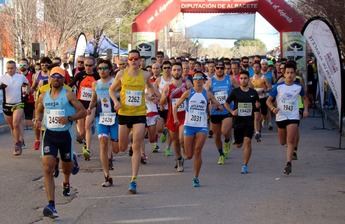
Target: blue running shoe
[
  {"x": 50, "y": 211},
  {"x": 75, "y": 168},
  {"x": 196, "y": 182},
  {"x": 244, "y": 169},
  {"x": 132, "y": 188}
]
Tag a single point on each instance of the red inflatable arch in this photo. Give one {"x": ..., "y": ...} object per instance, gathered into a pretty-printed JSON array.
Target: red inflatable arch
[{"x": 160, "y": 12}]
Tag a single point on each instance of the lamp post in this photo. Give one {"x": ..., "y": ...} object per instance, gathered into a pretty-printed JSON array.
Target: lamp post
[
  {"x": 196, "y": 46},
  {"x": 118, "y": 23},
  {"x": 171, "y": 33}
]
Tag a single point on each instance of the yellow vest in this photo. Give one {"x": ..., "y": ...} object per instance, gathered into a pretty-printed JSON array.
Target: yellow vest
[{"x": 132, "y": 94}]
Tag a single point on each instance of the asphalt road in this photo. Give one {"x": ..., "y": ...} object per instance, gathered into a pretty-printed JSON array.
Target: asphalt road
[{"x": 313, "y": 193}]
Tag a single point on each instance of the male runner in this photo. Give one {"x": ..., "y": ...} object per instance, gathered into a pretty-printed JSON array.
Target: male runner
[
  {"x": 261, "y": 86},
  {"x": 41, "y": 79},
  {"x": 57, "y": 108},
  {"x": 171, "y": 94},
  {"x": 163, "y": 112},
  {"x": 106, "y": 119},
  {"x": 220, "y": 86},
  {"x": 12, "y": 84},
  {"x": 287, "y": 111},
  {"x": 246, "y": 104},
  {"x": 131, "y": 109},
  {"x": 83, "y": 81}
]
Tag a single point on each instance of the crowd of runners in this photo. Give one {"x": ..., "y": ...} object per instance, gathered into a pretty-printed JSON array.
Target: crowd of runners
[{"x": 176, "y": 102}]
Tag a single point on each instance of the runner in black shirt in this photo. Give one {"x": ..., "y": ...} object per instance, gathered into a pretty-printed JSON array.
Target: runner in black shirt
[{"x": 244, "y": 112}]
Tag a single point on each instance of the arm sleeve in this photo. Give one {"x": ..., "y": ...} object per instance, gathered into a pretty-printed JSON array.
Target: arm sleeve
[{"x": 302, "y": 93}]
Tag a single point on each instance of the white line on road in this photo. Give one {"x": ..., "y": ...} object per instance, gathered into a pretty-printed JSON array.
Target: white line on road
[
  {"x": 152, "y": 175},
  {"x": 152, "y": 220},
  {"x": 169, "y": 206},
  {"x": 114, "y": 196}
]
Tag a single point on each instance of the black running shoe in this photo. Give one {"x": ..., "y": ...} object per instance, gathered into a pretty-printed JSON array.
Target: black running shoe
[
  {"x": 108, "y": 182},
  {"x": 66, "y": 190},
  {"x": 287, "y": 169}
]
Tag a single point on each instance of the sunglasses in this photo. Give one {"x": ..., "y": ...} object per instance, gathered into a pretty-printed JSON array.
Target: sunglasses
[
  {"x": 88, "y": 65},
  {"x": 80, "y": 62},
  {"x": 22, "y": 65},
  {"x": 166, "y": 67},
  {"x": 222, "y": 68},
  {"x": 103, "y": 68},
  {"x": 133, "y": 59},
  {"x": 56, "y": 76},
  {"x": 46, "y": 65}
]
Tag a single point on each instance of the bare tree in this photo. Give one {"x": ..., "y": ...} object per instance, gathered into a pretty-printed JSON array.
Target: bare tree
[
  {"x": 20, "y": 21},
  {"x": 332, "y": 10}
]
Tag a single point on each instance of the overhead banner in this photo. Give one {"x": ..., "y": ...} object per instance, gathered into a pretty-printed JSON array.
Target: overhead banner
[
  {"x": 294, "y": 48},
  {"x": 79, "y": 48},
  {"x": 145, "y": 43},
  {"x": 219, "y": 5},
  {"x": 219, "y": 26},
  {"x": 321, "y": 38}
]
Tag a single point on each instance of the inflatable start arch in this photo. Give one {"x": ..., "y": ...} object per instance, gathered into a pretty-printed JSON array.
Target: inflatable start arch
[{"x": 160, "y": 12}]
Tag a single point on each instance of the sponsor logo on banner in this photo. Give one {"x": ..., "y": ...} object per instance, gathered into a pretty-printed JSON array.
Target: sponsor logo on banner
[
  {"x": 145, "y": 43},
  {"x": 294, "y": 48},
  {"x": 325, "y": 48}
]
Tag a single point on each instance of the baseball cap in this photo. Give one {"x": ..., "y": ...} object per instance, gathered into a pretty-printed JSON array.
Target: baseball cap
[{"x": 58, "y": 70}]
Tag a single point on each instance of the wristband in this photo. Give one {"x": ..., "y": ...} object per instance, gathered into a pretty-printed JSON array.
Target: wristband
[{"x": 69, "y": 118}]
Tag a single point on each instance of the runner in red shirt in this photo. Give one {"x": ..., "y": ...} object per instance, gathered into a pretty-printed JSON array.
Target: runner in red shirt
[
  {"x": 29, "y": 100},
  {"x": 171, "y": 94}
]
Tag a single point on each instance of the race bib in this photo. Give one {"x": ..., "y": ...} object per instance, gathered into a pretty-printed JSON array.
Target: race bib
[
  {"x": 107, "y": 119},
  {"x": 86, "y": 94},
  {"x": 133, "y": 97},
  {"x": 287, "y": 106},
  {"x": 221, "y": 96},
  {"x": 53, "y": 117},
  {"x": 182, "y": 107},
  {"x": 245, "y": 109},
  {"x": 197, "y": 118}
]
